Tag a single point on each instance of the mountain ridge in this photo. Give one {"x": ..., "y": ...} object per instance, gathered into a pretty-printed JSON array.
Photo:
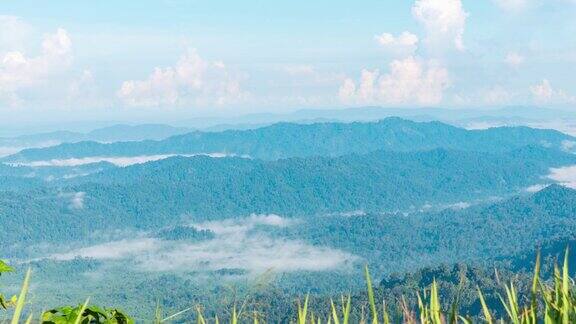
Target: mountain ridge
[{"x": 284, "y": 140}]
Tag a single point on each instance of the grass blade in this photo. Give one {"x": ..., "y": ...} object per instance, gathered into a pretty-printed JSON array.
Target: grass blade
[
  {"x": 21, "y": 299},
  {"x": 485, "y": 309},
  {"x": 373, "y": 309}
]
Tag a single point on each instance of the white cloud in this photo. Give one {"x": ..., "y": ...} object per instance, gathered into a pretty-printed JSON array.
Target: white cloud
[
  {"x": 83, "y": 91},
  {"x": 565, "y": 176},
  {"x": 57, "y": 44},
  {"x": 236, "y": 245},
  {"x": 514, "y": 59},
  {"x": 256, "y": 253},
  {"x": 459, "y": 205},
  {"x": 19, "y": 72},
  {"x": 444, "y": 21},
  {"x": 405, "y": 43},
  {"x": 121, "y": 161},
  {"x": 409, "y": 81},
  {"x": 192, "y": 81},
  {"x": 9, "y": 150},
  {"x": 536, "y": 187},
  {"x": 243, "y": 225},
  {"x": 77, "y": 201},
  {"x": 545, "y": 93},
  {"x": 351, "y": 213},
  {"x": 542, "y": 91},
  {"x": 111, "y": 250}
]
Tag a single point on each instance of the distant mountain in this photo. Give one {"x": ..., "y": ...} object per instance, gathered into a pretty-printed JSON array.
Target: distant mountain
[
  {"x": 107, "y": 134},
  {"x": 158, "y": 194},
  {"x": 374, "y": 113},
  {"x": 118, "y": 133},
  {"x": 285, "y": 140}
]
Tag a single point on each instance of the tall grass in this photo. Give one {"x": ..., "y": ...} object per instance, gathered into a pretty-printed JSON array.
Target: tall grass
[{"x": 550, "y": 302}]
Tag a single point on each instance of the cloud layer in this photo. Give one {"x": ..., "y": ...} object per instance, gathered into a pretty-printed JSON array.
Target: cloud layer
[
  {"x": 121, "y": 161},
  {"x": 237, "y": 245}
]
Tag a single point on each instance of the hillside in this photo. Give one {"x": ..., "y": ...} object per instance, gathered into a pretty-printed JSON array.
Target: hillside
[
  {"x": 160, "y": 193},
  {"x": 476, "y": 234},
  {"x": 405, "y": 252}
]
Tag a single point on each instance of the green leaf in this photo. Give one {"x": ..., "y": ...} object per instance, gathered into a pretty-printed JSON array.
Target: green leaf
[{"x": 5, "y": 267}]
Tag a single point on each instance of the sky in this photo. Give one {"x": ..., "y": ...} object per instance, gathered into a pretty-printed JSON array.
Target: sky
[{"x": 99, "y": 60}]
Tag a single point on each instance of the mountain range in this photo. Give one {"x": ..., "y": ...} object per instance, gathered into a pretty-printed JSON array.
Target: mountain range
[{"x": 320, "y": 139}]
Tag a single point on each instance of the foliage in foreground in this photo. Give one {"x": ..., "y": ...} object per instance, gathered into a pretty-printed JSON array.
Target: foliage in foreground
[{"x": 552, "y": 301}]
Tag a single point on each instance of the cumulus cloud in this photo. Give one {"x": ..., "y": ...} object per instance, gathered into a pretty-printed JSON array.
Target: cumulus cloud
[
  {"x": 192, "y": 81},
  {"x": 405, "y": 43},
  {"x": 565, "y": 176},
  {"x": 19, "y": 72},
  {"x": 57, "y": 44},
  {"x": 514, "y": 59},
  {"x": 409, "y": 81},
  {"x": 543, "y": 92},
  {"x": 83, "y": 91},
  {"x": 444, "y": 21},
  {"x": 121, "y": 161},
  {"x": 235, "y": 246}
]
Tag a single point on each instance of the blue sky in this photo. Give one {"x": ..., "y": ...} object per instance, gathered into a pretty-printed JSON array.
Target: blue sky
[{"x": 96, "y": 59}]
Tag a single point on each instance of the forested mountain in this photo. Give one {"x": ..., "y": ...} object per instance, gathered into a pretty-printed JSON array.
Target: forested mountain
[
  {"x": 460, "y": 249},
  {"x": 312, "y": 202},
  {"x": 24, "y": 177},
  {"x": 476, "y": 234},
  {"x": 159, "y": 193},
  {"x": 321, "y": 139}
]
